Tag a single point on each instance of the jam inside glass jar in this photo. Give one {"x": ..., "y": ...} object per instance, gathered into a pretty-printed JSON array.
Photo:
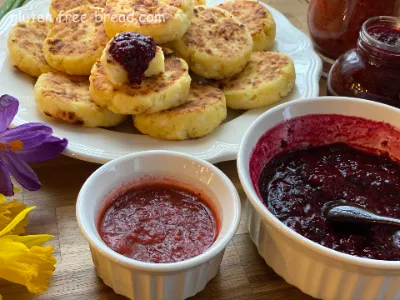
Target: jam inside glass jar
[
  {"x": 372, "y": 69},
  {"x": 334, "y": 24}
]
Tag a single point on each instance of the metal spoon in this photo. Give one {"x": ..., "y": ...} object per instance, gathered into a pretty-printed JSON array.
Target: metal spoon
[{"x": 344, "y": 212}]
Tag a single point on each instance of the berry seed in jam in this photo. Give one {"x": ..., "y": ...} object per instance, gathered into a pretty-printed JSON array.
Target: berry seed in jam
[{"x": 134, "y": 52}]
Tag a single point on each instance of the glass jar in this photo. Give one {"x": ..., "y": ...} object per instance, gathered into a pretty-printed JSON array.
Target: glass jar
[
  {"x": 334, "y": 24},
  {"x": 372, "y": 70}
]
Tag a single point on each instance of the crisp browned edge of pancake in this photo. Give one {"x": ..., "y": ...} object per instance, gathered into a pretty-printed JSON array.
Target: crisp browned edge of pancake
[
  {"x": 57, "y": 93},
  {"x": 271, "y": 64},
  {"x": 229, "y": 29},
  {"x": 261, "y": 14},
  {"x": 205, "y": 95},
  {"x": 148, "y": 7},
  {"x": 64, "y": 5},
  {"x": 65, "y": 26}
]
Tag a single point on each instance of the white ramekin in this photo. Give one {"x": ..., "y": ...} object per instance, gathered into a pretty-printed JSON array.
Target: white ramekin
[
  {"x": 318, "y": 271},
  {"x": 149, "y": 281}
]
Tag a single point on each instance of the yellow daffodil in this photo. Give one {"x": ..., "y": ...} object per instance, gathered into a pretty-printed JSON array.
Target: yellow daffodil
[
  {"x": 23, "y": 259},
  {"x": 8, "y": 212}
]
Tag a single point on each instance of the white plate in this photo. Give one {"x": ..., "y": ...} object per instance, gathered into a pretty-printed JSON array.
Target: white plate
[{"x": 102, "y": 145}]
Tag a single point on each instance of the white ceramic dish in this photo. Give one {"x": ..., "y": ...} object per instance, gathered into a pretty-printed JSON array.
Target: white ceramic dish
[
  {"x": 318, "y": 271},
  {"x": 101, "y": 145},
  {"x": 149, "y": 281}
]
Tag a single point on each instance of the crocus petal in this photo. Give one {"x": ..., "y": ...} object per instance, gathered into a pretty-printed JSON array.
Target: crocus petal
[
  {"x": 51, "y": 148},
  {"x": 6, "y": 186},
  {"x": 8, "y": 110},
  {"x": 20, "y": 170},
  {"x": 30, "y": 134}
]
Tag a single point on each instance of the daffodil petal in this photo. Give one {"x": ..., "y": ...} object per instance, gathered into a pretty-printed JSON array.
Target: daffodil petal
[
  {"x": 4, "y": 218},
  {"x": 31, "y": 240},
  {"x": 9, "y": 211},
  {"x": 30, "y": 267},
  {"x": 2, "y": 200},
  {"x": 16, "y": 220}
]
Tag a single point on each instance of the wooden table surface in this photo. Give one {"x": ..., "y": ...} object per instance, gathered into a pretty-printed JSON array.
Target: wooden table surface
[{"x": 243, "y": 274}]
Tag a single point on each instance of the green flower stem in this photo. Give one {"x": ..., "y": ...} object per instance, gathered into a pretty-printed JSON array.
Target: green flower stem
[
  {"x": 17, "y": 4},
  {"x": 7, "y": 6}
]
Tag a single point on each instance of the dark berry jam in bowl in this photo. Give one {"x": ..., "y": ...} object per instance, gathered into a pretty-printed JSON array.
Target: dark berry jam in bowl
[
  {"x": 145, "y": 217},
  {"x": 345, "y": 138}
]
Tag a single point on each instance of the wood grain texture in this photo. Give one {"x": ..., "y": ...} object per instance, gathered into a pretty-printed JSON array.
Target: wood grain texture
[{"x": 243, "y": 274}]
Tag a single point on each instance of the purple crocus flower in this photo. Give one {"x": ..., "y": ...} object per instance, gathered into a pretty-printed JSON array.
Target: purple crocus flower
[{"x": 31, "y": 142}]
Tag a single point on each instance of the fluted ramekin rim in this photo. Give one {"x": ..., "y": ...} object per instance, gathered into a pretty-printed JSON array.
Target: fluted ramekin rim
[{"x": 165, "y": 268}]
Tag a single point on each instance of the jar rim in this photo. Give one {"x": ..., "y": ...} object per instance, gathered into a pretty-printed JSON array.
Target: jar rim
[{"x": 388, "y": 21}]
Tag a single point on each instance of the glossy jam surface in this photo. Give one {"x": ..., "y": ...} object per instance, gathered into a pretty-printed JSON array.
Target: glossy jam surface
[
  {"x": 159, "y": 223},
  {"x": 134, "y": 52},
  {"x": 335, "y": 24},
  {"x": 296, "y": 185},
  {"x": 388, "y": 36},
  {"x": 298, "y": 182},
  {"x": 369, "y": 72}
]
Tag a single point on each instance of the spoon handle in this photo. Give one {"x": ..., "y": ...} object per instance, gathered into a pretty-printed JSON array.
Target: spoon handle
[
  {"x": 352, "y": 214},
  {"x": 387, "y": 220}
]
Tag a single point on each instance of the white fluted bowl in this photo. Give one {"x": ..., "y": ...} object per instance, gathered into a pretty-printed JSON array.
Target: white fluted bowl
[
  {"x": 150, "y": 281},
  {"x": 316, "y": 270}
]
